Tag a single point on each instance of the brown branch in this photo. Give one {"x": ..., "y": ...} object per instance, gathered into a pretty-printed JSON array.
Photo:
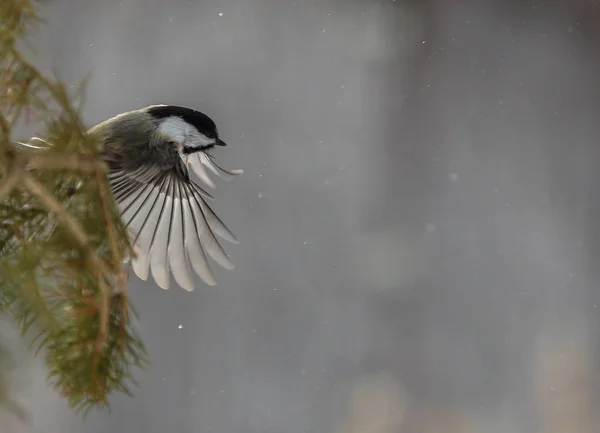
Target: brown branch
[
  {"x": 104, "y": 313},
  {"x": 110, "y": 228},
  {"x": 112, "y": 241},
  {"x": 29, "y": 66},
  {"x": 5, "y": 127},
  {"x": 60, "y": 162},
  {"x": 12, "y": 179},
  {"x": 49, "y": 200}
]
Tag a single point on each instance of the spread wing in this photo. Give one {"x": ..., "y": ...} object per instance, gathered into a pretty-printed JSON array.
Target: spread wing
[{"x": 174, "y": 228}]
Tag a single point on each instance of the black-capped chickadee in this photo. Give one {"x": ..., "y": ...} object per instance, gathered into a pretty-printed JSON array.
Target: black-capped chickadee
[{"x": 148, "y": 152}]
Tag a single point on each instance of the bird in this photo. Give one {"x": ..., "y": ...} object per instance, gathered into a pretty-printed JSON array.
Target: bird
[{"x": 149, "y": 153}]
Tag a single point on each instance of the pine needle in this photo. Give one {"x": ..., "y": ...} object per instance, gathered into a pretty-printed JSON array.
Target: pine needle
[{"x": 61, "y": 261}]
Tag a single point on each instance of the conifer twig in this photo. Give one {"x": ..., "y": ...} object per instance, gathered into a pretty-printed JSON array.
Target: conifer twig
[
  {"x": 60, "y": 162},
  {"x": 48, "y": 199},
  {"x": 112, "y": 235},
  {"x": 12, "y": 179},
  {"x": 60, "y": 258}
]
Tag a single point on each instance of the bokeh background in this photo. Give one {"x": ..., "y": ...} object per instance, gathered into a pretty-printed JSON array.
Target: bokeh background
[{"x": 418, "y": 215}]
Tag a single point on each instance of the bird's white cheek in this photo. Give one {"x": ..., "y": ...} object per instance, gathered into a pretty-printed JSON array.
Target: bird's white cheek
[{"x": 203, "y": 140}]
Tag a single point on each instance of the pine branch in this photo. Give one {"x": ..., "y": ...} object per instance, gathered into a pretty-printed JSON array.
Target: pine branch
[
  {"x": 13, "y": 177},
  {"x": 61, "y": 272}
]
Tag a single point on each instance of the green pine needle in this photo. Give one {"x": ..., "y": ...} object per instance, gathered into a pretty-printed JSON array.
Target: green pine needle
[{"x": 62, "y": 242}]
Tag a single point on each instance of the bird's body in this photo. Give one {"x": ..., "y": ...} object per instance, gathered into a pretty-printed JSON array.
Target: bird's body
[{"x": 148, "y": 152}]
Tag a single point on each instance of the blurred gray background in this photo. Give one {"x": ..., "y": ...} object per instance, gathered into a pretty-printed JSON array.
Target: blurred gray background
[{"x": 418, "y": 218}]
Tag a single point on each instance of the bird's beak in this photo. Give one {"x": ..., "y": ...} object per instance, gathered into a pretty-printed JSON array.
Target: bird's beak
[{"x": 220, "y": 142}]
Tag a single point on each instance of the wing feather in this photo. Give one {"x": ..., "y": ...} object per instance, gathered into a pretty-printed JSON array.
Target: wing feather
[
  {"x": 159, "y": 251},
  {"x": 205, "y": 233},
  {"x": 173, "y": 227},
  {"x": 177, "y": 244},
  {"x": 199, "y": 160},
  {"x": 194, "y": 246},
  {"x": 214, "y": 223},
  {"x": 218, "y": 170}
]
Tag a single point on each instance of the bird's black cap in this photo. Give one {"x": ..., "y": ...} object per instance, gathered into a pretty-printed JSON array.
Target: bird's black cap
[{"x": 197, "y": 119}]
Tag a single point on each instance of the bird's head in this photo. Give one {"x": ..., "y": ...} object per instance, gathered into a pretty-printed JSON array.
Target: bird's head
[{"x": 189, "y": 130}]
